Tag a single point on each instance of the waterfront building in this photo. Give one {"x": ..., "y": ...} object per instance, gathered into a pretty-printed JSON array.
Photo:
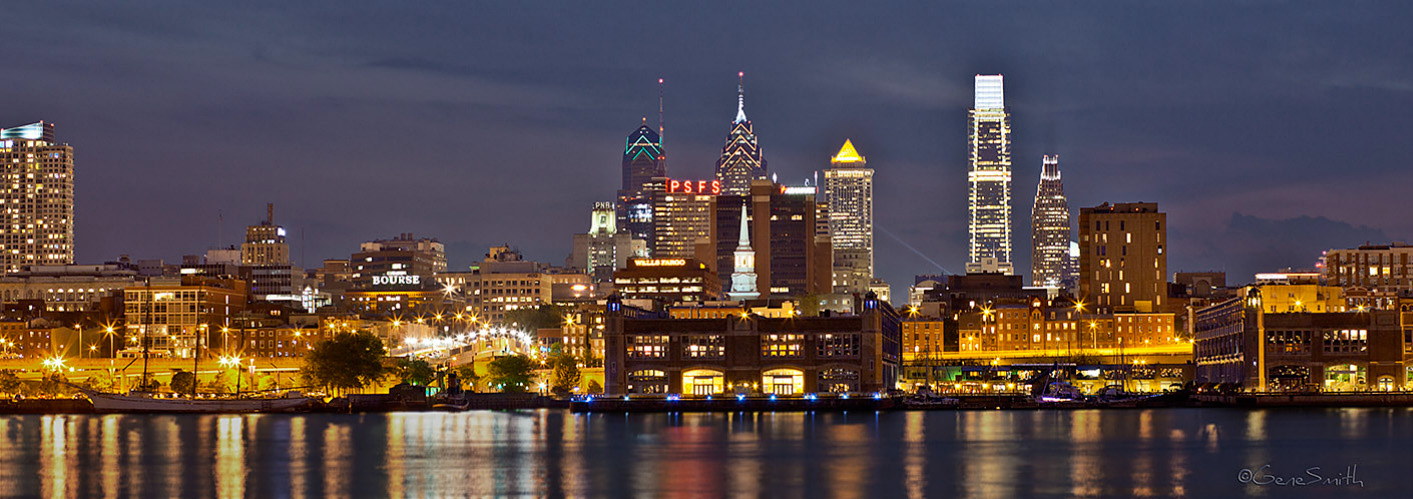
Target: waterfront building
[
  {"x": 279, "y": 341},
  {"x": 1373, "y": 275},
  {"x": 667, "y": 281},
  {"x": 747, "y": 353},
  {"x": 989, "y": 175},
  {"x": 1123, "y": 263},
  {"x": 791, "y": 258},
  {"x": 1239, "y": 344},
  {"x": 37, "y": 199},
  {"x": 604, "y": 248},
  {"x": 848, "y": 187},
  {"x": 173, "y": 317},
  {"x": 1050, "y": 228},
  {"x": 682, "y": 217},
  {"x": 643, "y": 160},
  {"x": 741, "y": 159}
]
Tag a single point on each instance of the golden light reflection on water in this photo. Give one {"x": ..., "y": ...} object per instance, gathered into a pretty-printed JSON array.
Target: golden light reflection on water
[
  {"x": 555, "y": 453},
  {"x": 230, "y": 457}
]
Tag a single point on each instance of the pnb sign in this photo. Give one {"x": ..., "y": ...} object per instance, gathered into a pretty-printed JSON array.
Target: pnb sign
[{"x": 397, "y": 280}]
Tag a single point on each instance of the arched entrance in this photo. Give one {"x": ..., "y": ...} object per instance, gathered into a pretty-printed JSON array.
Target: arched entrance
[
  {"x": 703, "y": 382},
  {"x": 1345, "y": 378},
  {"x": 783, "y": 381}
]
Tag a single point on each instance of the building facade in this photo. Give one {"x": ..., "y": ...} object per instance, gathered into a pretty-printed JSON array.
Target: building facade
[
  {"x": 404, "y": 260},
  {"x": 790, "y": 257},
  {"x": 682, "y": 217},
  {"x": 848, "y": 187},
  {"x": 752, "y": 354},
  {"x": 741, "y": 159},
  {"x": 37, "y": 198},
  {"x": 667, "y": 281},
  {"x": 1050, "y": 228},
  {"x": 604, "y": 249},
  {"x": 177, "y": 317},
  {"x": 1373, "y": 274},
  {"x": 989, "y": 174},
  {"x": 1123, "y": 263}
]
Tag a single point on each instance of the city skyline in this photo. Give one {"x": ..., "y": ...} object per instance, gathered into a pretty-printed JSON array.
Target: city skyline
[{"x": 1235, "y": 196}]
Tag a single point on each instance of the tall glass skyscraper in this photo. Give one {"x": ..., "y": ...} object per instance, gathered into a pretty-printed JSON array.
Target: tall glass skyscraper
[
  {"x": 643, "y": 160},
  {"x": 741, "y": 160},
  {"x": 989, "y": 176},
  {"x": 848, "y": 185},
  {"x": 37, "y": 199},
  {"x": 1050, "y": 228}
]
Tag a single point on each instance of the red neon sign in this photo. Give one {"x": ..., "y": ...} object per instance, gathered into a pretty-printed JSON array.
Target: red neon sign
[{"x": 712, "y": 187}]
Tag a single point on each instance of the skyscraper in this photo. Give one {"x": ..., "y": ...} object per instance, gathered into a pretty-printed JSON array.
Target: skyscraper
[
  {"x": 643, "y": 159},
  {"x": 848, "y": 184},
  {"x": 604, "y": 249},
  {"x": 989, "y": 175},
  {"x": 1049, "y": 228},
  {"x": 265, "y": 242},
  {"x": 741, "y": 160},
  {"x": 38, "y": 198}
]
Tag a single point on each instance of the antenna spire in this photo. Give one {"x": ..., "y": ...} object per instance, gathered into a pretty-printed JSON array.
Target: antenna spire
[
  {"x": 741, "y": 97},
  {"x": 659, "y": 112}
]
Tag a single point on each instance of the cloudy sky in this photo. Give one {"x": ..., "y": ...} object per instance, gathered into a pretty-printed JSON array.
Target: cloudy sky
[{"x": 1267, "y": 131}]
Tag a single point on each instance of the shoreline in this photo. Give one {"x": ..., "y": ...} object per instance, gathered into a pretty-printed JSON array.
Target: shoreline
[{"x": 613, "y": 405}]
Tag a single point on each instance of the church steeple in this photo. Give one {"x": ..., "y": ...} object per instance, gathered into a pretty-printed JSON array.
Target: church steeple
[{"x": 743, "y": 277}]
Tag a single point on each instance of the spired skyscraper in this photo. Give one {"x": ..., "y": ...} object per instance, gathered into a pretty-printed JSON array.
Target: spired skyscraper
[
  {"x": 989, "y": 177},
  {"x": 848, "y": 186},
  {"x": 643, "y": 160},
  {"x": 741, "y": 159},
  {"x": 1050, "y": 260},
  {"x": 38, "y": 198}
]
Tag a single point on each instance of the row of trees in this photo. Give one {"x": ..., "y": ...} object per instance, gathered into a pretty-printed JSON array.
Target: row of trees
[{"x": 353, "y": 361}]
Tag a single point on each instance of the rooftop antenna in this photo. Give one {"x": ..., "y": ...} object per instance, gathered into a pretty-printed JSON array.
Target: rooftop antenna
[{"x": 659, "y": 112}]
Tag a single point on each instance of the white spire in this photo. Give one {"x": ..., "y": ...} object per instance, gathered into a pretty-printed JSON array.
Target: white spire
[
  {"x": 741, "y": 97},
  {"x": 745, "y": 240}
]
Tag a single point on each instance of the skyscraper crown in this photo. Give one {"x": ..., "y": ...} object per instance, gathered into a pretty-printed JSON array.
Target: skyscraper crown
[
  {"x": 990, "y": 92},
  {"x": 847, "y": 154}
]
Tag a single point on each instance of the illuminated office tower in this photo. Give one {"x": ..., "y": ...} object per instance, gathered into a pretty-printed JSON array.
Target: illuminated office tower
[
  {"x": 604, "y": 249},
  {"x": 741, "y": 160},
  {"x": 682, "y": 218},
  {"x": 643, "y": 160},
  {"x": 848, "y": 184},
  {"x": 989, "y": 176},
  {"x": 37, "y": 199},
  {"x": 1049, "y": 228}
]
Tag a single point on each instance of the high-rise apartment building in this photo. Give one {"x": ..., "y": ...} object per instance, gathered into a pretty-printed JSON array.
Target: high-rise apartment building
[
  {"x": 37, "y": 199},
  {"x": 1049, "y": 228},
  {"x": 848, "y": 186},
  {"x": 1123, "y": 263},
  {"x": 989, "y": 175},
  {"x": 682, "y": 217},
  {"x": 741, "y": 160}
]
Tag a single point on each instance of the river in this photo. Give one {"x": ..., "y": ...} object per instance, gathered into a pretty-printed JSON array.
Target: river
[{"x": 553, "y": 453}]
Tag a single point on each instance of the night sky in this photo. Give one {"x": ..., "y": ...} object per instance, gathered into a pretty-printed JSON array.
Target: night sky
[{"x": 1267, "y": 131}]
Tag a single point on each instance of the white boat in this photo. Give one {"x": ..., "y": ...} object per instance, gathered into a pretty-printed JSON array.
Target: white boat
[{"x": 145, "y": 402}]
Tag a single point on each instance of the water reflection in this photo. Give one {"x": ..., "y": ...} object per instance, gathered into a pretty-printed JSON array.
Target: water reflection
[{"x": 1171, "y": 453}]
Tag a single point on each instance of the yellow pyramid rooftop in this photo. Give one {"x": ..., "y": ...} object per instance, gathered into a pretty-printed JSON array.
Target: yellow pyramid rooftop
[{"x": 847, "y": 154}]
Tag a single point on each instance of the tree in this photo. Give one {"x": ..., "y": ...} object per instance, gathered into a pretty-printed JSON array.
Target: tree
[
  {"x": 467, "y": 374},
  {"x": 9, "y": 383},
  {"x": 415, "y": 371},
  {"x": 149, "y": 383},
  {"x": 345, "y": 362},
  {"x": 531, "y": 319},
  {"x": 595, "y": 387},
  {"x": 510, "y": 374},
  {"x": 183, "y": 382},
  {"x": 565, "y": 376},
  {"x": 100, "y": 381}
]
